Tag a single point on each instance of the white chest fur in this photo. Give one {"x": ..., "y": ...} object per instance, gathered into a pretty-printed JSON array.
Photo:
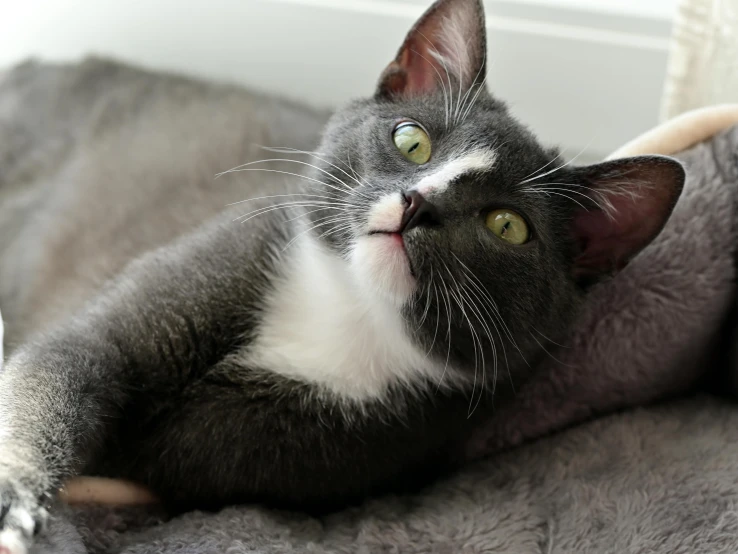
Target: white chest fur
[{"x": 320, "y": 327}]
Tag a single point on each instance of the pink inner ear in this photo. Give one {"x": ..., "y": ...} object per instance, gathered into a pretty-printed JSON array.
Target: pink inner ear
[
  {"x": 609, "y": 241},
  {"x": 447, "y": 43},
  {"x": 603, "y": 241},
  {"x": 421, "y": 69}
]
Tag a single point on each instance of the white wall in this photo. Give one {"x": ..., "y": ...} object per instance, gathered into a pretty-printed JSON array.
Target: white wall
[{"x": 583, "y": 73}]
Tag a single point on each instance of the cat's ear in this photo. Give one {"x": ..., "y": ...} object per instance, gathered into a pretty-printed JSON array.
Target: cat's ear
[
  {"x": 447, "y": 46},
  {"x": 630, "y": 201}
]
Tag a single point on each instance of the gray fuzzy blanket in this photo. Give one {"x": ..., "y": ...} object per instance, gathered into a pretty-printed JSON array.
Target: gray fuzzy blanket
[{"x": 660, "y": 479}]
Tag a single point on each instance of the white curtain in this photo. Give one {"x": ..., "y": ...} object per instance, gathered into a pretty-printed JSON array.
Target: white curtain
[{"x": 703, "y": 60}]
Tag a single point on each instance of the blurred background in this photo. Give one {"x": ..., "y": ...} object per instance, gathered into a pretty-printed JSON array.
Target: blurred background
[{"x": 585, "y": 74}]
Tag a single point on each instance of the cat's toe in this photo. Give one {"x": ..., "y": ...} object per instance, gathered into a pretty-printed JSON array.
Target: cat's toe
[{"x": 21, "y": 519}]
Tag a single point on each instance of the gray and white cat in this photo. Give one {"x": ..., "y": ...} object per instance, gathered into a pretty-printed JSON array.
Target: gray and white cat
[{"x": 333, "y": 342}]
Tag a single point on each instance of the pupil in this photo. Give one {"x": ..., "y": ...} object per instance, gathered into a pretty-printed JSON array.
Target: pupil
[
  {"x": 413, "y": 148},
  {"x": 505, "y": 227}
]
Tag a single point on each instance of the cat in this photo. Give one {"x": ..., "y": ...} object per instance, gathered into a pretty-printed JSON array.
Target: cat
[{"x": 331, "y": 340}]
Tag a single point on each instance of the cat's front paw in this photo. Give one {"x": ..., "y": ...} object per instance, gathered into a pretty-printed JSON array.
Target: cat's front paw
[{"x": 22, "y": 517}]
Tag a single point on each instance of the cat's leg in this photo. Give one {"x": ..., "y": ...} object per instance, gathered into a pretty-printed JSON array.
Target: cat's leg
[
  {"x": 164, "y": 322},
  {"x": 55, "y": 402},
  {"x": 242, "y": 435}
]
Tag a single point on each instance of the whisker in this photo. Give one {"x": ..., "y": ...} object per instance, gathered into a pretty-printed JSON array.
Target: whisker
[
  {"x": 293, "y": 195},
  {"x": 268, "y": 209},
  {"x": 468, "y": 110},
  {"x": 440, "y": 80},
  {"x": 299, "y": 235},
  {"x": 332, "y": 218},
  {"x": 603, "y": 198},
  {"x": 464, "y": 293},
  {"x": 478, "y": 315},
  {"x": 574, "y": 185},
  {"x": 562, "y": 195},
  {"x": 554, "y": 358},
  {"x": 329, "y": 232},
  {"x": 348, "y": 157},
  {"x": 438, "y": 321},
  {"x": 552, "y": 160},
  {"x": 604, "y": 204},
  {"x": 486, "y": 307},
  {"x": 478, "y": 355},
  {"x": 464, "y": 110},
  {"x": 557, "y": 168},
  {"x": 458, "y": 296},
  {"x": 548, "y": 339},
  {"x": 474, "y": 341},
  {"x": 437, "y": 55},
  {"x": 548, "y": 189},
  {"x": 287, "y": 150},
  {"x": 477, "y": 283},
  {"x": 296, "y": 203},
  {"x": 488, "y": 303},
  {"x": 336, "y": 229},
  {"x": 242, "y": 167},
  {"x": 350, "y": 194},
  {"x": 427, "y": 303},
  {"x": 461, "y": 81},
  {"x": 303, "y": 214},
  {"x": 447, "y": 305}
]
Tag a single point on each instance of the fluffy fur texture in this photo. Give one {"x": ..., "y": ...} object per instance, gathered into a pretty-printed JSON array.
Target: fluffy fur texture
[
  {"x": 353, "y": 346},
  {"x": 656, "y": 330},
  {"x": 169, "y": 352},
  {"x": 659, "y": 480}
]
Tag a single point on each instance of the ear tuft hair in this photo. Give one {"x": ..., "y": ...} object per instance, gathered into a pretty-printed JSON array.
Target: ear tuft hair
[
  {"x": 631, "y": 200},
  {"x": 445, "y": 48}
]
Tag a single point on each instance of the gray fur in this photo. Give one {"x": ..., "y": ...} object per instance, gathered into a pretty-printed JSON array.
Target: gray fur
[
  {"x": 655, "y": 330},
  {"x": 660, "y": 480},
  {"x": 137, "y": 364},
  {"x": 73, "y": 139}
]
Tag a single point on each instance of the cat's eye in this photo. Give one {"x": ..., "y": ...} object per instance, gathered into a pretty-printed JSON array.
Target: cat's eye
[
  {"x": 413, "y": 142},
  {"x": 509, "y": 226}
]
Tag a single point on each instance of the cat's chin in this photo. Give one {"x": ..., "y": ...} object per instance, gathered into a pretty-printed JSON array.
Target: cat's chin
[{"x": 381, "y": 264}]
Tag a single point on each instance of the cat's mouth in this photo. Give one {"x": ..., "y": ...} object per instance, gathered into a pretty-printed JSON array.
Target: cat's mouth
[
  {"x": 398, "y": 243},
  {"x": 382, "y": 261},
  {"x": 380, "y": 256},
  {"x": 394, "y": 235},
  {"x": 396, "y": 239}
]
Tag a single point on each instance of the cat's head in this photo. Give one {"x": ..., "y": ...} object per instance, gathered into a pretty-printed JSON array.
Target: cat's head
[{"x": 449, "y": 209}]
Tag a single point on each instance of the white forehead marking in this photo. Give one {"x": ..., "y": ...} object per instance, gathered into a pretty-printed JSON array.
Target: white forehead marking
[{"x": 477, "y": 160}]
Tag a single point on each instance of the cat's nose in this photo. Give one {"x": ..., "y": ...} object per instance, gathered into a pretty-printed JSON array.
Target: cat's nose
[{"x": 418, "y": 211}]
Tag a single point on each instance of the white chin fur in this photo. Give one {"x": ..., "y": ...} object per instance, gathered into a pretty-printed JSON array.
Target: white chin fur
[
  {"x": 11, "y": 541},
  {"x": 381, "y": 265}
]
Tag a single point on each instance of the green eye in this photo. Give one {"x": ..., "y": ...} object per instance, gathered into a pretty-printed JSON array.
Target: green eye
[
  {"x": 509, "y": 226},
  {"x": 412, "y": 142}
]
